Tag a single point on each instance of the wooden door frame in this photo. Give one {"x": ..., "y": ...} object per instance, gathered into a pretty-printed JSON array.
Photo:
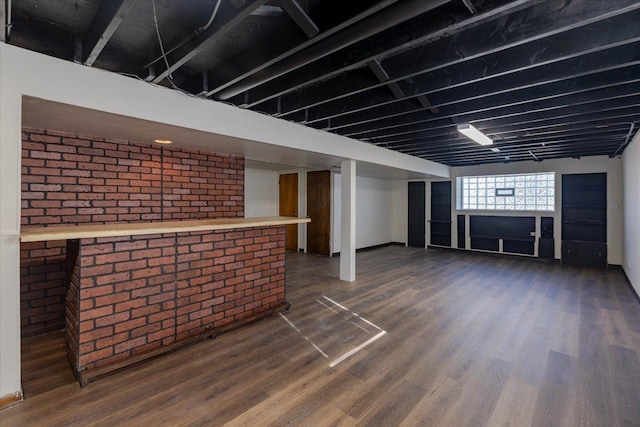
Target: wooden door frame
[
  {"x": 292, "y": 243},
  {"x": 329, "y": 223}
]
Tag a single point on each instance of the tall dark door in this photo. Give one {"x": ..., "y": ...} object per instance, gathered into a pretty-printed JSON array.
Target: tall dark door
[
  {"x": 416, "y": 220},
  {"x": 288, "y": 195},
  {"x": 584, "y": 219},
  {"x": 440, "y": 223},
  {"x": 319, "y": 210}
]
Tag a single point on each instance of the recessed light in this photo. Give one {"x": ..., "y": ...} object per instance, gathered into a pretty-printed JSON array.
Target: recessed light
[{"x": 163, "y": 141}]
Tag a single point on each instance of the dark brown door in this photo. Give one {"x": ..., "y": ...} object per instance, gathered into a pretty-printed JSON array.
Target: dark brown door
[
  {"x": 288, "y": 195},
  {"x": 318, "y": 209}
]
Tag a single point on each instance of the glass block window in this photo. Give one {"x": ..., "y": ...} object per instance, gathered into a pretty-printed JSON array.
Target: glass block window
[{"x": 523, "y": 192}]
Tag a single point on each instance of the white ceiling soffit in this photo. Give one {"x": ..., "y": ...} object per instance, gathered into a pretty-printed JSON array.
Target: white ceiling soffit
[{"x": 44, "y": 114}]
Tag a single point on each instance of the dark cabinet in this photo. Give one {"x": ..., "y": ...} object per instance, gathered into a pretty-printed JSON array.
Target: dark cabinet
[
  {"x": 584, "y": 219},
  {"x": 440, "y": 223},
  {"x": 545, "y": 248},
  {"x": 515, "y": 232},
  {"x": 546, "y": 245},
  {"x": 462, "y": 240},
  {"x": 584, "y": 253},
  {"x": 416, "y": 215}
]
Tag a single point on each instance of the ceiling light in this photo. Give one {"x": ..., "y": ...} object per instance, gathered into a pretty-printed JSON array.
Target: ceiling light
[
  {"x": 474, "y": 134},
  {"x": 495, "y": 150},
  {"x": 163, "y": 141}
]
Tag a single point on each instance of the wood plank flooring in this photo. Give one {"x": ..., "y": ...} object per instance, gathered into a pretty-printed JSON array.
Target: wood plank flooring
[{"x": 471, "y": 340}]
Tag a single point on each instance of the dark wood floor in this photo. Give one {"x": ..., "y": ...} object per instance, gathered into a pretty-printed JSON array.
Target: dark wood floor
[{"x": 470, "y": 340}]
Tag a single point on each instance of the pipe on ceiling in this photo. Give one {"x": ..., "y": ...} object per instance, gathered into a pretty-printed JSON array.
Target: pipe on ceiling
[
  {"x": 626, "y": 140},
  {"x": 8, "y": 24},
  {"x": 374, "y": 24}
]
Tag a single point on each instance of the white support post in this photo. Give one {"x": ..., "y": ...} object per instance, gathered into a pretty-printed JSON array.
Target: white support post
[
  {"x": 10, "y": 153},
  {"x": 348, "y": 221}
]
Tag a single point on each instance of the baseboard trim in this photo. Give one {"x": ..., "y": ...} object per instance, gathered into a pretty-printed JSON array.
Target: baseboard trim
[
  {"x": 85, "y": 376},
  {"x": 493, "y": 254},
  {"x": 369, "y": 248},
  {"x": 11, "y": 399},
  {"x": 633, "y": 290}
]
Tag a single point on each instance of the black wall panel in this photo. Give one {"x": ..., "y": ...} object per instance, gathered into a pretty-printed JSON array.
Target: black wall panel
[
  {"x": 584, "y": 219},
  {"x": 462, "y": 241},
  {"x": 416, "y": 211},
  {"x": 515, "y": 232},
  {"x": 440, "y": 223}
]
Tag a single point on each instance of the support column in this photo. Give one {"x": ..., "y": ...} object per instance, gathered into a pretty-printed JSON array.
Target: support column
[
  {"x": 348, "y": 221},
  {"x": 10, "y": 152}
]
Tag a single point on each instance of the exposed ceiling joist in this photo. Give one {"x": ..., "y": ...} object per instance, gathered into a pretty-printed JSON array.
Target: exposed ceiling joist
[
  {"x": 268, "y": 10},
  {"x": 491, "y": 96},
  {"x": 300, "y": 17},
  {"x": 561, "y": 102},
  {"x": 624, "y": 113},
  {"x": 382, "y": 76},
  {"x": 444, "y": 148},
  {"x": 227, "y": 17},
  {"x": 377, "y": 69},
  {"x": 415, "y": 32},
  {"x": 106, "y": 21},
  {"x": 543, "y": 78},
  {"x": 367, "y": 27},
  {"x": 526, "y": 50},
  {"x": 621, "y": 83},
  {"x": 470, "y": 6},
  {"x": 254, "y": 61}
]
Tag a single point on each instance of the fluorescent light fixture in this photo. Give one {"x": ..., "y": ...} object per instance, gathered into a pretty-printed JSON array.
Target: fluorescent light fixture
[
  {"x": 473, "y": 133},
  {"x": 163, "y": 141}
]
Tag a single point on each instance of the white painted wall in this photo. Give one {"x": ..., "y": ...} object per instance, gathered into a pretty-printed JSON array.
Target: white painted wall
[
  {"x": 260, "y": 192},
  {"x": 613, "y": 168},
  {"x": 631, "y": 204},
  {"x": 374, "y": 212}
]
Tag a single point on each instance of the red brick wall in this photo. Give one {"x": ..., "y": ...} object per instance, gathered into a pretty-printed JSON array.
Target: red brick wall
[
  {"x": 73, "y": 179},
  {"x": 138, "y": 293}
]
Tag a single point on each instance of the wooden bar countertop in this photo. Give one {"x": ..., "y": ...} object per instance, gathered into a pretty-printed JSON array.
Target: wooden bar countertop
[{"x": 84, "y": 231}]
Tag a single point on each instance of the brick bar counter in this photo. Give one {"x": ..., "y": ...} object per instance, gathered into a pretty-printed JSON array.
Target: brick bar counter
[{"x": 139, "y": 290}]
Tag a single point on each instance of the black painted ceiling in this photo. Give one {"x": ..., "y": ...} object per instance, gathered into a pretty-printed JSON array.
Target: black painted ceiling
[{"x": 544, "y": 79}]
